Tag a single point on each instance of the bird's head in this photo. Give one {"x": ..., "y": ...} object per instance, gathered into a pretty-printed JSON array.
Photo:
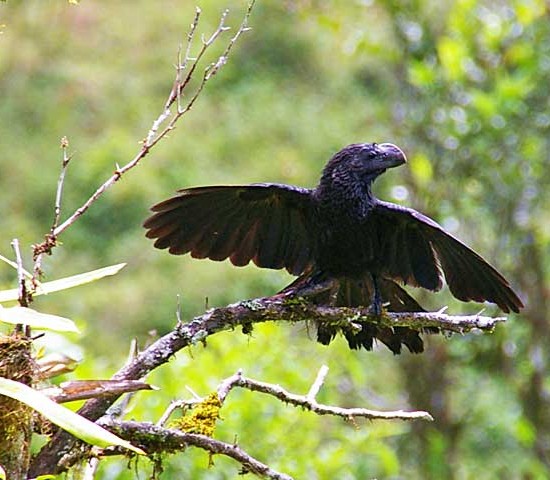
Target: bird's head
[{"x": 362, "y": 162}]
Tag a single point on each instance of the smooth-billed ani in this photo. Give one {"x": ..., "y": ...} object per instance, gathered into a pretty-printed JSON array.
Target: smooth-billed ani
[{"x": 338, "y": 231}]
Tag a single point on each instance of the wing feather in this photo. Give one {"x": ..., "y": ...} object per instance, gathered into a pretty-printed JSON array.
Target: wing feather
[
  {"x": 266, "y": 223},
  {"x": 418, "y": 248}
]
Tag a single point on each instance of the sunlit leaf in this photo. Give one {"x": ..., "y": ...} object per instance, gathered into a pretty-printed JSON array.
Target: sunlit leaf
[
  {"x": 525, "y": 432},
  {"x": 32, "y": 318},
  {"x": 528, "y": 11},
  {"x": 485, "y": 103},
  {"x": 421, "y": 168},
  {"x": 421, "y": 74},
  {"x": 73, "y": 423},
  {"x": 452, "y": 54},
  {"x": 65, "y": 283}
]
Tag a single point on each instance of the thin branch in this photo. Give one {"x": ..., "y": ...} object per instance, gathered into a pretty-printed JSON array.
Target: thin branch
[
  {"x": 318, "y": 383},
  {"x": 51, "y": 239},
  {"x": 23, "y": 294},
  {"x": 209, "y": 72},
  {"x": 308, "y": 403},
  {"x": 153, "y": 138},
  {"x": 174, "y": 405},
  {"x": 64, "y": 164},
  {"x": 179, "y": 83},
  {"x": 156, "y": 439}
]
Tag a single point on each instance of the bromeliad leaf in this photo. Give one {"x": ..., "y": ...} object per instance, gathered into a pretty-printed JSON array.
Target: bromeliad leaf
[
  {"x": 32, "y": 318},
  {"x": 66, "y": 419},
  {"x": 64, "y": 283}
]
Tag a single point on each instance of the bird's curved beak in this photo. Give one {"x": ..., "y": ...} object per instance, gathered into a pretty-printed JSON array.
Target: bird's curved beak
[{"x": 392, "y": 155}]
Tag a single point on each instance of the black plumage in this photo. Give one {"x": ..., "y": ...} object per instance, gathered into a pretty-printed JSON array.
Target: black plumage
[{"x": 338, "y": 230}]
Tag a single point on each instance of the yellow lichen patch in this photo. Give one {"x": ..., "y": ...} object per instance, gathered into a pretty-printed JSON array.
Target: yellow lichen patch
[{"x": 203, "y": 417}]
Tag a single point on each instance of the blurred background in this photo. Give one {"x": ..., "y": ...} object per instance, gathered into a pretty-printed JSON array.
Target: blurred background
[{"x": 461, "y": 86}]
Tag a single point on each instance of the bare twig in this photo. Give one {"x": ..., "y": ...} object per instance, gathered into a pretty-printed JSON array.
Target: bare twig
[
  {"x": 209, "y": 72},
  {"x": 60, "y": 182},
  {"x": 156, "y": 439},
  {"x": 51, "y": 239},
  {"x": 177, "y": 404},
  {"x": 318, "y": 383},
  {"x": 174, "y": 405},
  {"x": 153, "y": 137},
  {"x": 23, "y": 296},
  {"x": 305, "y": 401}
]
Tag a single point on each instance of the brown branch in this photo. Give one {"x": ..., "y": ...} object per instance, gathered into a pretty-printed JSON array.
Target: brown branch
[
  {"x": 73, "y": 390},
  {"x": 162, "y": 440}
]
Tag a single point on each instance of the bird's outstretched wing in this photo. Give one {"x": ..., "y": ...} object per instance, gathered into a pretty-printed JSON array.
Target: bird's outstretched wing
[
  {"x": 417, "y": 249},
  {"x": 267, "y": 223}
]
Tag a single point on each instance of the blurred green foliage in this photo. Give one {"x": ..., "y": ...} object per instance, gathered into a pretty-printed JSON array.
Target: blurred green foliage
[{"x": 461, "y": 85}]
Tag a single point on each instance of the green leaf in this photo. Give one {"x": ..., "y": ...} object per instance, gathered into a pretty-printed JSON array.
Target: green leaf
[
  {"x": 452, "y": 54},
  {"x": 527, "y": 12},
  {"x": 421, "y": 74},
  {"x": 65, "y": 283},
  {"x": 64, "y": 418},
  {"x": 526, "y": 433},
  {"x": 421, "y": 168},
  {"x": 32, "y": 318}
]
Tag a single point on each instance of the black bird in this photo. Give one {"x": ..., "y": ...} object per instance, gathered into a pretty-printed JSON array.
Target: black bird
[{"x": 337, "y": 231}]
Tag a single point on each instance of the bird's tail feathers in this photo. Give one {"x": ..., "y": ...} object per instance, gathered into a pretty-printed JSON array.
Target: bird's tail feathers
[{"x": 359, "y": 293}]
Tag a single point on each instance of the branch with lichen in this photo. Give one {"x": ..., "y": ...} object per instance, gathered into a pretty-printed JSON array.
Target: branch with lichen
[
  {"x": 197, "y": 427},
  {"x": 162, "y": 440},
  {"x": 309, "y": 401},
  {"x": 206, "y": 410},
  {"x": 245, "y": 314}
]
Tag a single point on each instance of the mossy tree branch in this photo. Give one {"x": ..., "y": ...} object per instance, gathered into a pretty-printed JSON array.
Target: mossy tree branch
[{"x": 245, "y": 314}]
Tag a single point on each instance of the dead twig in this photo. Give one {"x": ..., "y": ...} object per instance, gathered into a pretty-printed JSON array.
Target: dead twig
[
  {"x": 23, "y": 296},
  {"x": 310, "y": 403},
  {"x": 153, "y": 137}
]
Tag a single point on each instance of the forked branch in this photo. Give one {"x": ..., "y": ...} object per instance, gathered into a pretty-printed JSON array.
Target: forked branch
[
  {"x": 246, "y": 314},
  {"x": 153, "y": 137}
]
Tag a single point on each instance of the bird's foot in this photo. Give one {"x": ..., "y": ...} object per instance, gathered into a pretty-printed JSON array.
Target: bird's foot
[{"x": 378, "y": 309}]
